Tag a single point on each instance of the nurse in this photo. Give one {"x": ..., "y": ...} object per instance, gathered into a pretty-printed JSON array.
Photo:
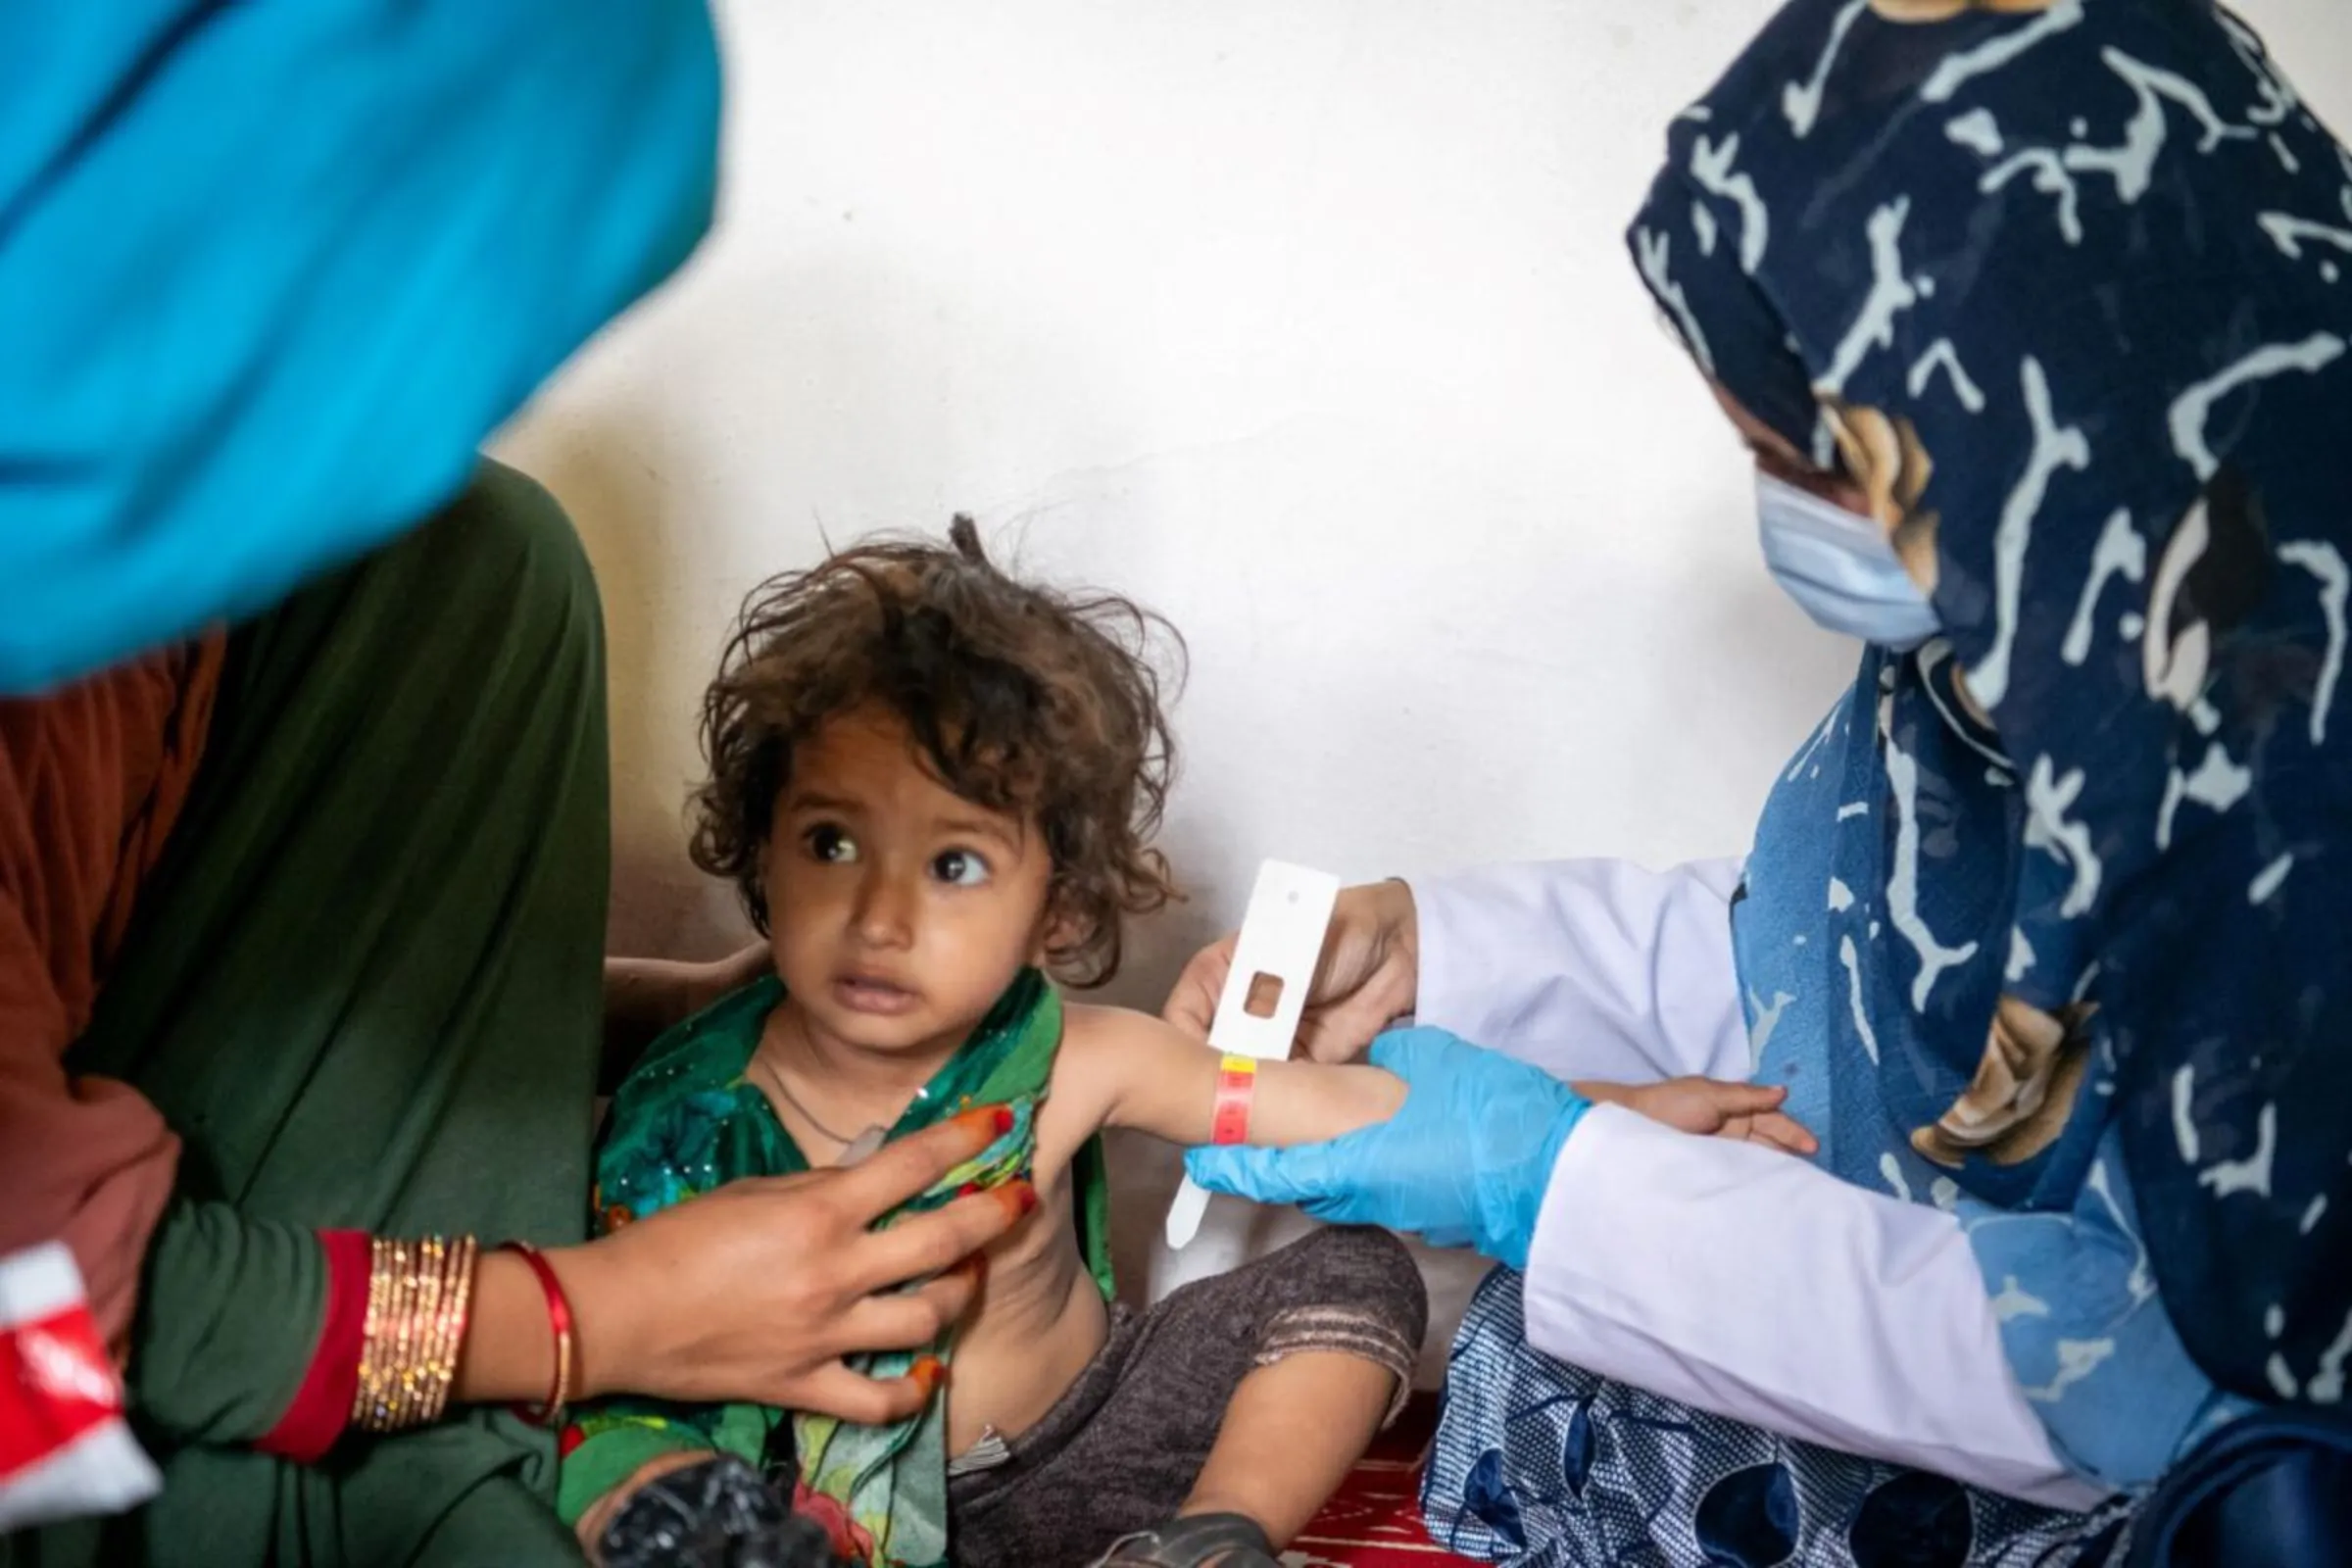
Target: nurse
[{"x": 2036, "y": 318}]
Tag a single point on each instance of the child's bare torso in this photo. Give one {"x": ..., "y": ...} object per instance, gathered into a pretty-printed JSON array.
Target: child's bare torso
[
  {"x": 1039, "y": 1320},
  {"x": 1040, "y": 1317}
]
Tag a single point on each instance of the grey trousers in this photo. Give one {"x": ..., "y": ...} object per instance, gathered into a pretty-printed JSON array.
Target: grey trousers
[{"x": 1120, "y": 1451}]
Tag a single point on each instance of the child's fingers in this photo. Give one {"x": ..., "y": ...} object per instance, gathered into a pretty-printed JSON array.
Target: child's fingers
[
  {"x": 1783, "y": 1132},
  {"x": 1744, "y": 1100}
]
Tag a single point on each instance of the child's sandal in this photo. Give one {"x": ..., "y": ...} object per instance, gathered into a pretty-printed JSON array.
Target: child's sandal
[{"x": 1203, "y": 1540}]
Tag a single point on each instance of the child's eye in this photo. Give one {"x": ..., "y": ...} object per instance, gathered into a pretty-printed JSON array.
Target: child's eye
[
  {"x": 831, "y": 844},
  {"x": 961, "y": 868}
]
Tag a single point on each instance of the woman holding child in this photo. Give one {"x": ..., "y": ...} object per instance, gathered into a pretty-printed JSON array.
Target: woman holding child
[
  {"x": 301, "y": 922},
  {"x": 2034, "y": 317}
]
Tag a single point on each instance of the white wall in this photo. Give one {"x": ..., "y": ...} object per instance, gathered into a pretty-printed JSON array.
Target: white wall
[{"x": 1305, "y": 321}]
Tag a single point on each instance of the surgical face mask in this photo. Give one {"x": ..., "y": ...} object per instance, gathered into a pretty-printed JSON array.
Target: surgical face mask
[{"x": 1841, "y": 567}]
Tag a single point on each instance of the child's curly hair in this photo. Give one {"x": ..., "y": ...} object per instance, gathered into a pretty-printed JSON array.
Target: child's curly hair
[{"x": 1022, "y": 699}]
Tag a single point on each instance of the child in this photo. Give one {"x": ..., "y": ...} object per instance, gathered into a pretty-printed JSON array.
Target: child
[{"x": 932, "y": 784}]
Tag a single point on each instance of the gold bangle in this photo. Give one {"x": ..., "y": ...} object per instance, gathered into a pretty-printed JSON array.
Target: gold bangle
[
  {"x": 418, "y": 1297},
  {"x": 369, "y": 1412},
  {"x": 407, "y": 1290},
  {"x": 449, "y": 1326},
  {"x": 386, "y": 1346}
]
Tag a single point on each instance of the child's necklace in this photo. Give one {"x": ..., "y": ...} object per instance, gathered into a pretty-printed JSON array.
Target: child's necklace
[
  {"x": 794, "y": 1100},
  {"x": 853, "y": 1150}
]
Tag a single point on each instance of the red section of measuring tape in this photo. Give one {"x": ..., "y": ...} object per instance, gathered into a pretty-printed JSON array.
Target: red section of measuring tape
[{"x": 1236, "y": 1086}]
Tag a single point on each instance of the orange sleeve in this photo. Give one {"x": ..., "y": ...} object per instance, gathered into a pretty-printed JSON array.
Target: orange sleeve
[{"x": 91, "y": 779}]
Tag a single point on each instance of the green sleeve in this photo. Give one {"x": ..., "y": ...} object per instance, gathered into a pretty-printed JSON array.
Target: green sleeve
[{"x": 228, "y": 1320}]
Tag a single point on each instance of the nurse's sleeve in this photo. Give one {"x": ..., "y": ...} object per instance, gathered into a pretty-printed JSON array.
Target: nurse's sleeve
[
  {"x": 270, "y": 272},
  {"x": 1753, "y": 1285},
  {"x": 1595, "y": 969},
  {"x": 1737, "y": 1280}
]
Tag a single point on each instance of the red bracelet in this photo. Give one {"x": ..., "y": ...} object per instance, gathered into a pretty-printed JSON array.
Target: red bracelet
[
  {"x": 1236, "y": 1086},
  {"x": 559, "y": 1319}
]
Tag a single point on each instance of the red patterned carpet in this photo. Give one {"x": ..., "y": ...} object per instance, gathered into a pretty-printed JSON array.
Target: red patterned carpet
[{"x": 1375, "y": 1521}]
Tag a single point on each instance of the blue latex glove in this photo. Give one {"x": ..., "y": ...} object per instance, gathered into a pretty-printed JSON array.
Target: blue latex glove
[{"x": 1464, "y": 1163}]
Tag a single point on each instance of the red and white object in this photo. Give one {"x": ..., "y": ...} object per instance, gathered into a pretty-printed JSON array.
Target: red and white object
[
  {"x": 1281, "y": 940},
  {"x": 64, "y": 1449}
]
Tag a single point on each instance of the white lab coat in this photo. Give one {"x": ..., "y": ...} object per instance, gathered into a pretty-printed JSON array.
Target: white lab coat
[{"x": 1735, "y": 1279}]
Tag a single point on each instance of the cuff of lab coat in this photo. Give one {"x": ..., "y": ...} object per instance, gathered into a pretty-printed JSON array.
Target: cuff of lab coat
[{"x": 1455, "y": 976}]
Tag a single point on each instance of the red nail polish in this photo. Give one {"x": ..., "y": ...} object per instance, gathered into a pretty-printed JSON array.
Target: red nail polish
[
  {"x": 929, "y": 1371},
  {"x": 1024, "y": 1194},
  {"x": 1004, "y": 1120}
]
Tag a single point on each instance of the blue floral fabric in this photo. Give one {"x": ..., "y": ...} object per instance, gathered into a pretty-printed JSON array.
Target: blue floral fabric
[
  {"x": 2065, "y": 289},
  {"x": 2065, "y": 1265},
  {"x": 1540, "y": 1465}
]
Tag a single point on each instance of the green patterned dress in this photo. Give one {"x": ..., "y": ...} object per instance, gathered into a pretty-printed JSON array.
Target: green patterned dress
[{"x": 688, "y": 1120}]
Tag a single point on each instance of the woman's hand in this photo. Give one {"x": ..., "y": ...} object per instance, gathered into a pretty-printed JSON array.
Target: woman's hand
[
  {"x": 1365, "y": 980},
  {"x": 1712, "y": 1108},
  {"x": 756, "y": 1291}
]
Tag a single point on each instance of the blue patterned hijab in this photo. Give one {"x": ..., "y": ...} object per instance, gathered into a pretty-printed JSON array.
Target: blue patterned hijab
[{"x": 2065, "y": 287}]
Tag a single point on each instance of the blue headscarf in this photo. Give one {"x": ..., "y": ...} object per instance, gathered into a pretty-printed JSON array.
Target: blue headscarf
[
  {"x": 2066, "y": 287},
  {"x": 270, "y": 273}
]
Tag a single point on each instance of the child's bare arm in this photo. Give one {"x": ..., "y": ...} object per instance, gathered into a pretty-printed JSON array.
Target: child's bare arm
[
  {"x": 1712, "y": 1108},
  {"x": 1155, "y": 1078},
  {"x": 1159, "y": 1080}
]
